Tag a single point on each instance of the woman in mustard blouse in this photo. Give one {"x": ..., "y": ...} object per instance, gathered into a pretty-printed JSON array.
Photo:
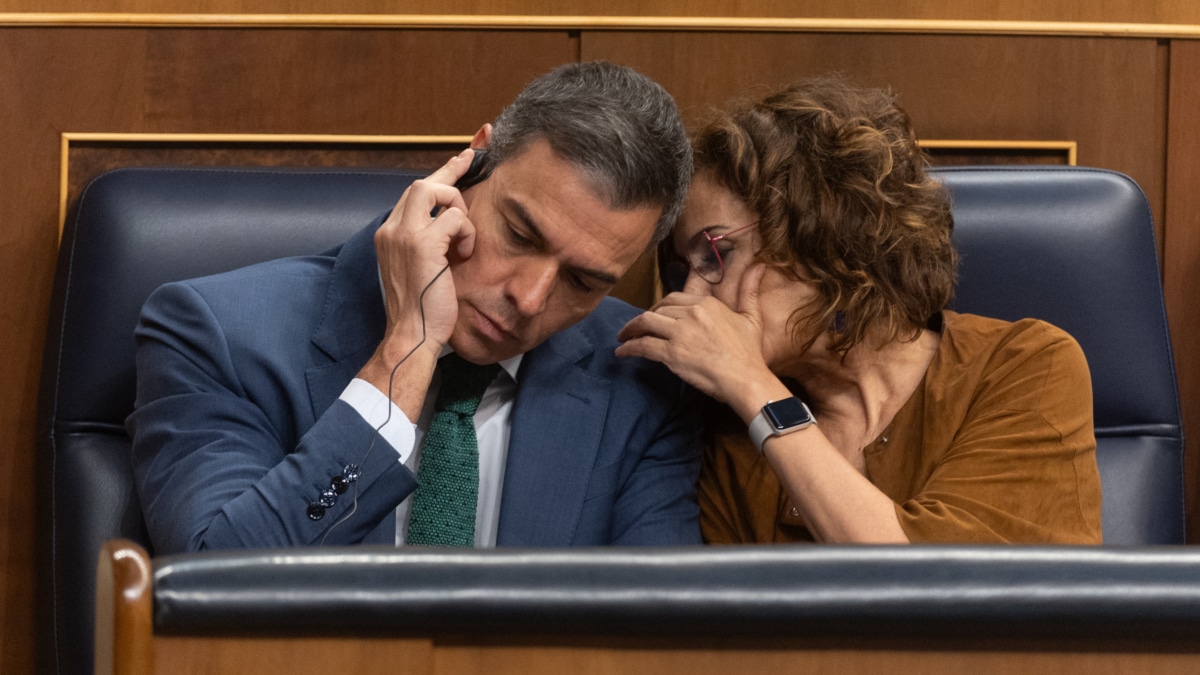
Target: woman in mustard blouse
[{"x": 815, "y": 263}]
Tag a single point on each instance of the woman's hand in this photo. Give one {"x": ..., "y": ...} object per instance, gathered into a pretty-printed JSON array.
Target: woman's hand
[
  {"x": 712, "y": 347},
  {"x": 719, "y": 351}
]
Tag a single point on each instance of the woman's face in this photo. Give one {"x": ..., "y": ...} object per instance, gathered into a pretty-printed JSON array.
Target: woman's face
[{"x": 714, "y": 209}]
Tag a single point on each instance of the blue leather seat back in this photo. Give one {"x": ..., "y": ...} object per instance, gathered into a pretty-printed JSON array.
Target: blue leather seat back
[
  {"x": 1075, "y": 247},
  {"x": 131, "y": 231}
]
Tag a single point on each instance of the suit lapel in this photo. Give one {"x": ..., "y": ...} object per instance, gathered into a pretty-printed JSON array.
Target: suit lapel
[
  {"x": 558, "y": 415},
  {"x": 558, "y": 421},
  {"x": 352, "y": 319}
]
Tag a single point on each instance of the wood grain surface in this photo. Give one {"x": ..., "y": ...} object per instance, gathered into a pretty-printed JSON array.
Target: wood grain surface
[
  {"x": 1129, "y": 103},
  {"x": 1131, "y": 11}
]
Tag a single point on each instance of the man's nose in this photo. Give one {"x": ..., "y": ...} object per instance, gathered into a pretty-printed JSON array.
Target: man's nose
[{"x": 530, "y": 288}]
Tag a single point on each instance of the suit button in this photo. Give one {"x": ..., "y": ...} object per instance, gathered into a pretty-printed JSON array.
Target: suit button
[
  {"x": 339, "y": 484},
  {"x": 328, "y": 498},
  {"x": 316, "y": 511}
]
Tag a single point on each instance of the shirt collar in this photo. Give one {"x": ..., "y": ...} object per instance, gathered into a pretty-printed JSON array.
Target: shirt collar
[{"x": 509, "y": 365}]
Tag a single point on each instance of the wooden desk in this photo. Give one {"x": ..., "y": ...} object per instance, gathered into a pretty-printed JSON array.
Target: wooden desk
[{"x": 129, "y": 642}]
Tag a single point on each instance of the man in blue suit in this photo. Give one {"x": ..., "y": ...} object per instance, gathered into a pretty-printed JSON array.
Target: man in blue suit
[{"x": 284, "y": 404}]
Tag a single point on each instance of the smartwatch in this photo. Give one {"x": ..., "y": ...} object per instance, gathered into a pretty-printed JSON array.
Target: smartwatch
[{"x": 778, "y": 418}]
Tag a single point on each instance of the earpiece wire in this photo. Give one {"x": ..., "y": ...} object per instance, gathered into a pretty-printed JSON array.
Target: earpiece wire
[{"x": 388, "y": 418}]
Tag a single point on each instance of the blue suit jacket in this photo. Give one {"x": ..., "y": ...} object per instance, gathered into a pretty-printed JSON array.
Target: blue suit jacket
[{"x": 238, "y": 425}]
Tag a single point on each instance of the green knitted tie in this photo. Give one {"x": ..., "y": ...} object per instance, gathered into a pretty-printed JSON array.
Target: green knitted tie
[{"x": 443, "y": 507}]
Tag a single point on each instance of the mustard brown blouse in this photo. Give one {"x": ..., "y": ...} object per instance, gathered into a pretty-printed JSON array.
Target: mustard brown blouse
[{"x": 995, "y": 445}]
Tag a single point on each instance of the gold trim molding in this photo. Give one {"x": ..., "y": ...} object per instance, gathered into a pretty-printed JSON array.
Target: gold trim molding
[
  {"x": 276, "y": 139},
  {"x": 606, "y": 23},
  {"x": 1070, "y": 148}
]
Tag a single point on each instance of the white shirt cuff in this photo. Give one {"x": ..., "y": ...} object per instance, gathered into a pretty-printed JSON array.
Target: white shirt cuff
[{"x": 375, "y": 408}]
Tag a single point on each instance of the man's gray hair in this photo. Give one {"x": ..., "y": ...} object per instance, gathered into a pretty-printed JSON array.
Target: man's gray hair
[{"x": 617, "y": 125}]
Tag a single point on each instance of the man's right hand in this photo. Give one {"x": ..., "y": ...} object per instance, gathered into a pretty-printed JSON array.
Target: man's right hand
[{"x": 413, "y": 248}]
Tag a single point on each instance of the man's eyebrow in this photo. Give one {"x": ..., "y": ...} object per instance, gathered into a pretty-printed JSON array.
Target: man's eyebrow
[{"x": 535, "y": 234}]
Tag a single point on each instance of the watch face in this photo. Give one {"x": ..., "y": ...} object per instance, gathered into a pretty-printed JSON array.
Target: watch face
[{"x": 787, "y": 413}]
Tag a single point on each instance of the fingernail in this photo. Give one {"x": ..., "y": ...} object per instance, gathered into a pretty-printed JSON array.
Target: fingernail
[{"x": 463, "y": 153}]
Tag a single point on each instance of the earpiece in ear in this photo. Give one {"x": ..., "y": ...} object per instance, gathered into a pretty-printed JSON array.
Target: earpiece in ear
[{"x": 478, "y": 172}]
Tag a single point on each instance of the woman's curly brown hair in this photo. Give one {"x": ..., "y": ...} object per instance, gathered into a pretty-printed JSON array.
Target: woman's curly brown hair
[{"x": 844, "y": 202}]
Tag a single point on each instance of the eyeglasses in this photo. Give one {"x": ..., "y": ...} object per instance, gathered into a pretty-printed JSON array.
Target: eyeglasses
[{"x": 703, "y": 257}]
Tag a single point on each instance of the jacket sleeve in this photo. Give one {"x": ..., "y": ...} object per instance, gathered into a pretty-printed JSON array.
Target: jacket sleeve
[{"x": 220, "y": 460}]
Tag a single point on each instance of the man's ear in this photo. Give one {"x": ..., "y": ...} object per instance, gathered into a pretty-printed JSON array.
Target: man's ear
[{"x": 482, "y": 138}]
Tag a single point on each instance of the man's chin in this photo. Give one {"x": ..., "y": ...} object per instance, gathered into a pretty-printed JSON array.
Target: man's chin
[{"x": 479, "y": 352}]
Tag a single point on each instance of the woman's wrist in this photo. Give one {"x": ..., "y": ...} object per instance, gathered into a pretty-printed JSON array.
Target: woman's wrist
[{"x": 751, "y": 399}]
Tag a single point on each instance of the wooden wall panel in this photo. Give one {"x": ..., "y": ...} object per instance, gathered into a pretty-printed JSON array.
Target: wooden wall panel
[
  {"x": 717, "y": 658},
  {"x": 961, "y": 87},
  {"x": 1139, "y": 11},
  {"x": 1181, "y": 259},
  {"x": 340, "y": 81},
  {"x": 51, "y": 80},
  {"x": 460, "y": 657}
]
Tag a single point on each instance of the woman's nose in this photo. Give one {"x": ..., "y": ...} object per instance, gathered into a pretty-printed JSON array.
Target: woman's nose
[{"x": 696, "y": 285}]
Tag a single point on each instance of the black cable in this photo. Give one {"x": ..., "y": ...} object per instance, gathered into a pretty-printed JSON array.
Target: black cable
[{"x": 391, "y": 381}]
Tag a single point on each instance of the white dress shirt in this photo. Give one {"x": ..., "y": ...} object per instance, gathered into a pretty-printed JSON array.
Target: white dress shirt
[{"x": 493, "y": 422}]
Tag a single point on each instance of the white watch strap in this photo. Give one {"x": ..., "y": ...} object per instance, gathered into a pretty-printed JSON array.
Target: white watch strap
[{"x": 760, "y": 430}]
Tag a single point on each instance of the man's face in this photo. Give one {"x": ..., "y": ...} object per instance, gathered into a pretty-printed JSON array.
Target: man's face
[{"x": 547, "y": 250}]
